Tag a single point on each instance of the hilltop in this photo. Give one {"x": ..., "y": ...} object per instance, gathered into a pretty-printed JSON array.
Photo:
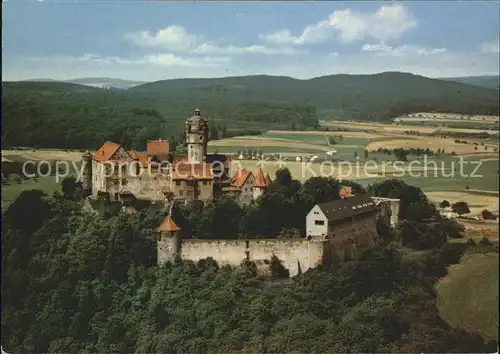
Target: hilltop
[
  {"x": 488, "y": 81},
  {"x": 69, "y": 115},
  {"x": 359, "y": 97},
  {"x": 102, "y": 82}
]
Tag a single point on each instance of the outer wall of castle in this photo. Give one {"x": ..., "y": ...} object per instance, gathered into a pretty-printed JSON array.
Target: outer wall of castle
[{"x": 295, "y": 254}]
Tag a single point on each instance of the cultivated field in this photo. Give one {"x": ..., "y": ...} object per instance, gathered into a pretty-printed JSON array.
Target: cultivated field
[
  {"x": 361, "y": 135},
  {"x": 11, "y": 191},
  {"x": 441, "y": 181},
  {"x": 477, "y": 202},
  {"x": 432, "y": 143},
  {"x": 395, "y": 128},
  {"x": 39, "y": 155},
  {"x": 256, "y": 142}
]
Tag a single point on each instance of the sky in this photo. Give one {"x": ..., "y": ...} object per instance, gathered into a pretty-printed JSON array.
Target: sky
[{"x": 148, "y": 41}]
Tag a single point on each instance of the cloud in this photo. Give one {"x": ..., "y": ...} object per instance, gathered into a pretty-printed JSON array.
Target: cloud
[
  {"x": 177, "y": 39},
  {"x": 407, "y": 49},
  {"x": 207, "y": 48},
  {"x": 160, "y": 59},
  {"x": 174, "y": 38},
  {"x": 167, "y": 59},
  {"x": 387, "y": 23},
  {"x": 312, "y": 34},
  {"x": 490, "y": 47}
]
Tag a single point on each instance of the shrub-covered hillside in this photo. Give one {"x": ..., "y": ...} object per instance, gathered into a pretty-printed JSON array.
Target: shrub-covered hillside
[{"x": 77, "y": 283}]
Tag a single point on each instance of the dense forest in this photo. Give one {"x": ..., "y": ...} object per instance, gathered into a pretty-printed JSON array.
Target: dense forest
[
  {"x": 74, "y": 283},
  {"x": 62, "y": 115},
  {"x": 66, "y": 115}
]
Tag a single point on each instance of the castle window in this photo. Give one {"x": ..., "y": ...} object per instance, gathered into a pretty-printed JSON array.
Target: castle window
[
  {"x": 319, "y": 222},
  {"x": 177, "y": 183}
]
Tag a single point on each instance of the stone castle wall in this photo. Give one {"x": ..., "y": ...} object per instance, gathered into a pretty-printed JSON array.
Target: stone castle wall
[{"x": 297, "y": 255}]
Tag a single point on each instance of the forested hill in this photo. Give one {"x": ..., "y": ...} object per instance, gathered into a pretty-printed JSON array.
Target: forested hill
[
  {"x": 489, "y": 81},
  {"x": 73, "y": 282},
  {"x": 366, "y": 97},
  {"x": 67, "y": 115}
]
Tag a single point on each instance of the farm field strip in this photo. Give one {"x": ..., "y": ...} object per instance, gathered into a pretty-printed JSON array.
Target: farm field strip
[
  {"x": 249, "y": 143},
  {"x": 399, "y": 128},
  {"x": 364, "y": 135},
  {"x": 432, "y": 143},
  {"x": 476, "y": 202},
  {"x": 44, "y": 154}
]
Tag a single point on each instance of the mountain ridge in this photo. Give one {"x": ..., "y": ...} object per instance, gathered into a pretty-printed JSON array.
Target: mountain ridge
[
  {"x": 69, "y": 115},
  {"x": 488, "y": 81}
]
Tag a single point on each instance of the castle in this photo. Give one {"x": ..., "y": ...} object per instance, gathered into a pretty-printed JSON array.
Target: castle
[
  {"x": 115, "y": 174},
  {"x": 335, "y": 231}
]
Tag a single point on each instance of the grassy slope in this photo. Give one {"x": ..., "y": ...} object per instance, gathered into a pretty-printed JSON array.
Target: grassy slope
[
  {"x": 469, "y": 299},
  {"x": 11, "y": 191}
]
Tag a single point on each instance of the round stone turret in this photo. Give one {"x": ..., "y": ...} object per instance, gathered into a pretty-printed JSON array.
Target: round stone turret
[
  {"x": 87, "y": 173},
  {"x": 196, "y": 137}
]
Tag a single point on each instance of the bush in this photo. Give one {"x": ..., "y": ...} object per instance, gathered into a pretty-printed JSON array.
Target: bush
[
  {"x": 14, "y": 177},
  {"x": 461, "y": 207},
  {"x": 452, "y": 252},
  {"x": 471, "y": 242},
  {"x": 444, "y": 204},
  {"x": 488, "y": 215},
  {"x": 485, "y": 242}
]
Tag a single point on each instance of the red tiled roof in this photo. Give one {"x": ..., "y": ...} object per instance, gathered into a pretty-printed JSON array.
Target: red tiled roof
[
  {"x": 168, "y": 225},
  {"x": 184, "y": 171},
  {"x": 260, "y": 180},
  {"x": 106, "y": 151},
  {"x": 158, "y": 148},
  {"x": 142, "y": 157},
  {"x": 133, "y": 153},
  {"x": 345, "y": 192},
  {"x": 240, "y": 177}
]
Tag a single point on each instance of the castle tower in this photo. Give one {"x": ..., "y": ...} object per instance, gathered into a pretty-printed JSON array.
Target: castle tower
[
  {"x": 196, "y": 137},
  {"x": 169, "y": 242},
  {"x": 87, "y": 173},
  {"x": 261, "y": 183}
]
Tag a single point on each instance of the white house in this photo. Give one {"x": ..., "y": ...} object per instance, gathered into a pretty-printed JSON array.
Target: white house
[
  {"x": 342, "y": 217},
  {"x": 351, "y": 215}
]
